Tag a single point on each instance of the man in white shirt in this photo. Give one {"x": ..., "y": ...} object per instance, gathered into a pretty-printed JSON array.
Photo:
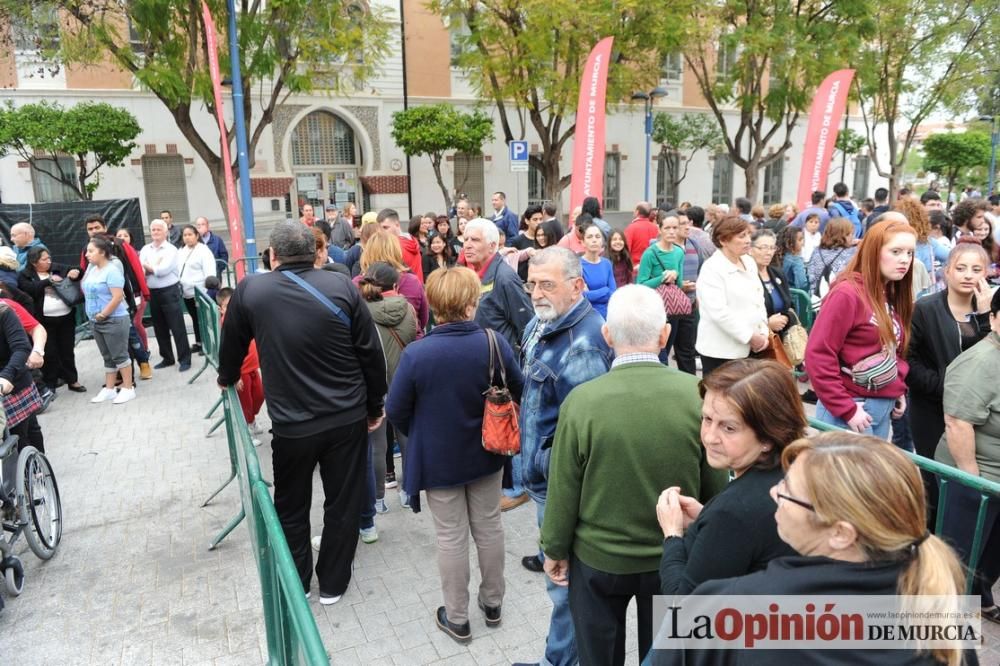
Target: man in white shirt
[{"x": 159, "y": 262}]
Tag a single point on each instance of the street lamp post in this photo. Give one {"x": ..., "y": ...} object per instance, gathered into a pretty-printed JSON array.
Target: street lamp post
[
  {"x": 647, "y": 99},
  {"x": 994, "y": 140},
  {"x": 242, "y": 150}
]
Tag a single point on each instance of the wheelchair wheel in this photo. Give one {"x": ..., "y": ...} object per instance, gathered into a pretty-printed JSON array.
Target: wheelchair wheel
[
  {"x": 38, "y": 497},
  {"x": 13, "y": 576}
]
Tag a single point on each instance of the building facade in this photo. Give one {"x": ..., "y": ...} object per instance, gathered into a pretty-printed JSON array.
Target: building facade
[{"x": 325, "y": 149}]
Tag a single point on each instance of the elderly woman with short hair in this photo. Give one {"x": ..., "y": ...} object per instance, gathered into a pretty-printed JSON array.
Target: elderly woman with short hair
[
  {"x": 733, "y": 318},
  {"x": 436, "y": 400}
]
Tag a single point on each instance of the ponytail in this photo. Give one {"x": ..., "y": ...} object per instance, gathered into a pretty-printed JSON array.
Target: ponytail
[
  {"x": 370, "y": 291},
  {"x": 933, "y": 572}
]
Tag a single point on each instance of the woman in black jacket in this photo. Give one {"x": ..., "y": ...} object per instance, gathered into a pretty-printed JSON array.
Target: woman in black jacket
[
  {"x": 20, "y": 397},
  {"x": 777, "y": 298},
  {"x": 37, "y": 280},
  {"x": 852, "y": 507},
  {"x": 944, "y": 325},
  {"x": 751, "y": 411}
]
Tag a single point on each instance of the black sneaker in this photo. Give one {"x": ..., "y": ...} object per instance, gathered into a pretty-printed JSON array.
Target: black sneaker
[
  {"x": 809, "y": 396},
  {"x": 196, "y": 347},
  {"x": 492, "y": 614},
  {"x": 532, "y": 563},
  {"x": 163, "y": 364},
  {"x": 460, "y": 633}
]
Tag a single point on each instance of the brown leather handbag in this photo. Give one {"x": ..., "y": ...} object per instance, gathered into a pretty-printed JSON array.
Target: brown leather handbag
[{"x": 501, "y": 431}]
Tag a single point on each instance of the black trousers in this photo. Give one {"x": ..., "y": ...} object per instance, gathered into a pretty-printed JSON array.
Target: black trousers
[
  {"x": 598, "y": 601},
  {"x": 60, "y": 360},
  {"x": 192, "y": 307},
  {"x": 341, "y": 454},
  {"x": 29, "y": 433},
  {"x": 165, "y": 309},
  {"x": 685, "y": 335},
  {"x": 960, "y": 512},
  {"x": 710, "y": 363}
]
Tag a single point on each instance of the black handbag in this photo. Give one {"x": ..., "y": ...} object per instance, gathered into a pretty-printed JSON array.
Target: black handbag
[{"x": 68, "y": 291}]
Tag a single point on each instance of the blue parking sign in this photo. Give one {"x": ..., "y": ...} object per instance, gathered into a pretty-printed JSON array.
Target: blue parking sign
[{"x": 518, "y": 155}]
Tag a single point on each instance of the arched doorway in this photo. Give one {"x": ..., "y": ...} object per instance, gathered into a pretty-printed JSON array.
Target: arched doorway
[{"x": 326, "y": 163}]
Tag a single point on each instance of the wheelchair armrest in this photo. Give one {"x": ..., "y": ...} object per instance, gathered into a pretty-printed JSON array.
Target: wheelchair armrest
[{"x": 9, "y": 444}]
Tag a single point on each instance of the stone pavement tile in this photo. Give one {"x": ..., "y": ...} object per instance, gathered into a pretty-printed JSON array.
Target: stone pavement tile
[
  {"x": 411, "y": 634},
  {"x": 243, "y": 658},
  {"x": 348, "y": 657},
  {"x": 416, "y": 656},
  {"x": 205, "y": 651},
  {"x": 380, "y": 647},
  {"x": 485, "y": 650},
  {"x": 377, "y": 626}
]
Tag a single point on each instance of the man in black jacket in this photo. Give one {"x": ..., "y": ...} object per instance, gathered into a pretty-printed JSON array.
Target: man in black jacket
[{"x": 324, "y": 383}]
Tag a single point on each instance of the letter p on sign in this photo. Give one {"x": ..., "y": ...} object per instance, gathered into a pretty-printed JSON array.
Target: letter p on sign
[{"x": 518, "y": 155}]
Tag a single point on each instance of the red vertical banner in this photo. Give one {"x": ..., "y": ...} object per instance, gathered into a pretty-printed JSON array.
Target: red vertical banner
[
  {"x": 821, "y": 135},
  {"x": 588, "y": 141},
  {"x": 232, "y": 203}
]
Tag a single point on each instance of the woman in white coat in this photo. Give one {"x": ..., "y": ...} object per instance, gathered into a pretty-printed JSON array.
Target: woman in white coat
[
  {"x": 195, "y": 263},
  {"x": 733, "y": 318}
]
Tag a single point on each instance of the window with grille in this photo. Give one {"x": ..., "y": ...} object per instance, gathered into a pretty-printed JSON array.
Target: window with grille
[
  {"x": 536, "y": 186},
  {"x": 862, "y": 168},
  {"x": 166, "y": 186},
  {"x": 725, "y": 63},
  {"x": 469, "y": 177},
  {"x": 40, "y": 33},
  {"x": 773, "y": 176},
  {"x": 667, "y": 169},
  {"x": 458, "y": 31},
  {"x": 135, "y": 39},
  {"x": 45, "y": 179},
  {"x": 673, "y": 67},
  {"x": 323, "y": 139},
  {"x": 612, "y": 181},
  {"x": 722, "y": 179}
]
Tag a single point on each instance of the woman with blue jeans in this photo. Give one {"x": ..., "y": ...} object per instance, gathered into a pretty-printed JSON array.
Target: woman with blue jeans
[{"x": 856, "y": 350}]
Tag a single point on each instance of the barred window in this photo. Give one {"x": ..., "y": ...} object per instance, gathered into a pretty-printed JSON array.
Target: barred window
[
  {"x": 323, "y": 138},
  {"x": 48, "y": 188},
  {"x": 722, "y": 179},
  {"x": 612, "y": 181},
  {"x": 773, "y": 177}
]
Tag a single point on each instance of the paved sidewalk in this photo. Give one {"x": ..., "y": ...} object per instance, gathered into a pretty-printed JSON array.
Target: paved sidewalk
[{"x": 134, "y": 583}]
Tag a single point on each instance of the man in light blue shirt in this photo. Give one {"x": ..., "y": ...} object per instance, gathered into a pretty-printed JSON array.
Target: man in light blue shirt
[
  {"x": 159, "y": 262},
  {"x": 817, "y": 208}
]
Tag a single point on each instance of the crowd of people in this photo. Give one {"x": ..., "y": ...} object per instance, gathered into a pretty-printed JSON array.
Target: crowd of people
[
  {"x": 583, "y": 325},
  {"x": 716, "y": 489}
]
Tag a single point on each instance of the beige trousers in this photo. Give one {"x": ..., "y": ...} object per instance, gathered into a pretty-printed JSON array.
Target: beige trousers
[{"x": 458, "y": 510}]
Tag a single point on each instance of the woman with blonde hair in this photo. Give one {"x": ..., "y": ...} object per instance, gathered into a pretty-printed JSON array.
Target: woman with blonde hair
[
  {"x": 853, "y": 509},
  {"x": 928, "y": 251},
  {"x": 856, "y": 355},
  {"x": 436, "y": 399},
  {"x": 382, "y": 246}
]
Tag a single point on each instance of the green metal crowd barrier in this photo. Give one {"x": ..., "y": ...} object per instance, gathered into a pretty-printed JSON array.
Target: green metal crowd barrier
[
  {"x": 292, "y": 634},
  {"x": 946, "y": 475}
]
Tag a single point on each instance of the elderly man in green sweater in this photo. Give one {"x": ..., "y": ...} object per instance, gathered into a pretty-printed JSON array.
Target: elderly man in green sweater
[{"x": 616, "y": 448}]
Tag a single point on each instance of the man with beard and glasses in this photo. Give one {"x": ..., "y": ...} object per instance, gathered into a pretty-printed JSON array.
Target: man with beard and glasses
[{"x": 563, "y": 347}]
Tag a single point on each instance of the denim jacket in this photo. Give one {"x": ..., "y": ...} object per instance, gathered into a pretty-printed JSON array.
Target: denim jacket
[{"x": 570, "y": 352}]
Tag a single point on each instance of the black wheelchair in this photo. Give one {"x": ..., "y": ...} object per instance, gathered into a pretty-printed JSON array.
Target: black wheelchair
[{"x": 29, "y": 505}]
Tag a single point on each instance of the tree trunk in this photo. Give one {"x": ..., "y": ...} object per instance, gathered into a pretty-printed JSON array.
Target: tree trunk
[
  {"x": 82, "y": 176},
  {"x": 550, "y": 174},
  {"x": 436, "y": 164},
  {"x": 751, "y": 177}
]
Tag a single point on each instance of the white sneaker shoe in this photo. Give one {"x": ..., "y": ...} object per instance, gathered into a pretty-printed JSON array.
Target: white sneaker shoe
[
  {"x": 316, "y": 541},
  {"x": 369, "y": 534},
  {"x": 124, "y": 396},
  {"x": 256, "y": 429},
  {"x": 104, "y": 394}
]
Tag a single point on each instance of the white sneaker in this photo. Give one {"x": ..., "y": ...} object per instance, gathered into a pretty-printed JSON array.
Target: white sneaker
[
  {"x": 124, "y": 396},
  {"x": 255, "y": 441},
  {"x": 329, "y": 601},
  {"x": 104, "y": 394},
  {"x": 380, "y": 506},
  {"x": 369, "y": 534},
  {"x": 256, "y": 429},
  {"x": 316, "y": 541}
]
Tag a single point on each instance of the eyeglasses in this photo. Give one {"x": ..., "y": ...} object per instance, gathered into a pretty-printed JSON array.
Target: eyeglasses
[
  {"x": 778, "y": 492},
  {"x": 547, "y": 286},
  {"x": 765, "y": 248}
]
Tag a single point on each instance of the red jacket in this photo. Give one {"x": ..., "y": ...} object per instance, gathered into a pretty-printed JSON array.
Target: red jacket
[
  {"x": 638, "y": 235},
  {"x": 412, "y": 256},
  {"x": 844, "y": 333}
]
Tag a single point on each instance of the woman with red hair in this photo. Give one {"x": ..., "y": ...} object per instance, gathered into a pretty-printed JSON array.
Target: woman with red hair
[{"x": 857, "y": 347}]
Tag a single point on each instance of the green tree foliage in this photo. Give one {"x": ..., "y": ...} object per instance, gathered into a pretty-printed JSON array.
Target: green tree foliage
[
  {"x": 433, "y": 130},
  {"x": 924, "y": 56},
  {"x": 286, "y": 47},
  {"x": 849, "y": 142},
  {"x": 684, "y": 137},
  {"x": 526, "y": 57},
  {"x": 94, "y": 134},
  {"x": 758, "y": 64},
  {"x": 948, "y": 154}
]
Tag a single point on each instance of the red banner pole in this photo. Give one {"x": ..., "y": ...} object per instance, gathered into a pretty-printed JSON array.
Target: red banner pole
[
  {"x": 588, "y": 143},
  {"x": 821, "y": 136},
  {"x": 232, "y": 204}
]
